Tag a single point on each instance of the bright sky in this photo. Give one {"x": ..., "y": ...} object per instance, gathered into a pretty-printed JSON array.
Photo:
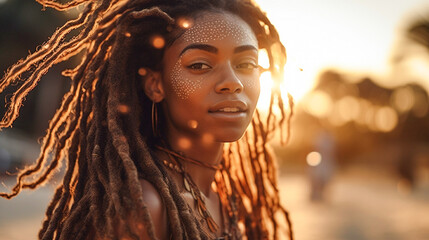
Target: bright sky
[{"x": 353, "y": 35}]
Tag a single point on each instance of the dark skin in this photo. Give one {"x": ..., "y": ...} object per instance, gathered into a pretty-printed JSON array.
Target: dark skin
[{"x": 208, "y": 92}]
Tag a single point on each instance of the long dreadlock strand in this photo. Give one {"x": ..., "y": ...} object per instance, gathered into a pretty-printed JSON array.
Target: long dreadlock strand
[
  {"x": 22, "y": 66},
  {"x": 80, "y": 201},
  {"x": 63, "y": 204},
  {"x": 119, "y": 140},
  {"x": 107, "y": 151},
  {"x": 59, "y": 6}
]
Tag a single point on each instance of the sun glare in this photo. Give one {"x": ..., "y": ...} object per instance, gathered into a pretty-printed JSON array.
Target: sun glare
[
  {"x": 265, "y": 95},
  {"x": 297, "y": 81}
]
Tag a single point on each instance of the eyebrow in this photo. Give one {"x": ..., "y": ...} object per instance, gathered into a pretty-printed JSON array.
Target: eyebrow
[
  {"x": 211, "y": 49},
  {"x": 204, "y": 47},
  {"x": 245, "y": 48}
]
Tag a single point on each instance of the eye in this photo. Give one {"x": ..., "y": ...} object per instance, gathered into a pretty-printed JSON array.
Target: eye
[
  {"x": 199, "y": 66},
  {"x": 247, "y": 65}
]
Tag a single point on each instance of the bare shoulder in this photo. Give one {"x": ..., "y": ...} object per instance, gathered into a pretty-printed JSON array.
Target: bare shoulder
[{"x": 156, "y": 209}]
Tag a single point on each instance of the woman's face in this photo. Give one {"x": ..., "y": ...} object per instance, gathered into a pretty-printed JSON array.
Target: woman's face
[{"x": 211, "y": 79}]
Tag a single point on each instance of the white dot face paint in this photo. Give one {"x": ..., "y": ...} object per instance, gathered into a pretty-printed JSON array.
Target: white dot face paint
[
  {"x": 212, "y": 29},
  {"x": 183, "y": 86},
  {"x": 216, "y": 29},
  {"x": 210, "y": 80}
]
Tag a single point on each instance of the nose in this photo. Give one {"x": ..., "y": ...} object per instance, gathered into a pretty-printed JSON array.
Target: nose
[{"x": 229, "y": 81}]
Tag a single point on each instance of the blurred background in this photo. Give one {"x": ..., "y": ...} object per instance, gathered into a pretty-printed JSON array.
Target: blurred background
[{"x": 357, "y": 164}]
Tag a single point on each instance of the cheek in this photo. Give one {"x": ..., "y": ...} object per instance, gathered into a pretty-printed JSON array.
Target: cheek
[
  {"x": 182, "y": 85},
  {"x": 253, "y": 88}
]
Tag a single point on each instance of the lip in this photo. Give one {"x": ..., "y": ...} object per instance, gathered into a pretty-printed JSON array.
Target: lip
[
  {"x": 227, "y": 107},
  {"x": 229, "y": 110}
]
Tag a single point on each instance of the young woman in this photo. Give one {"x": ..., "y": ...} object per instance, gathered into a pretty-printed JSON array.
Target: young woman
[{"x": 153, "y": 129}]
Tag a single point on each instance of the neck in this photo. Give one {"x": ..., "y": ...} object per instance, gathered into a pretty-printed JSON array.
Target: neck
[{"x": 207, "y": 153}]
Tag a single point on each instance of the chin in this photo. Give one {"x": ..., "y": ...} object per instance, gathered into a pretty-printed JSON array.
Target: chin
[{"x": 230, "y": 136}]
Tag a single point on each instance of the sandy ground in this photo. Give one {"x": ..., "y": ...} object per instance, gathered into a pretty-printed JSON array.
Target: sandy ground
[{"x": 357, "y": 206}]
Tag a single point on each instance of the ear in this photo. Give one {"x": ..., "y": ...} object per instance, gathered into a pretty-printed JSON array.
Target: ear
[{"x": 153, "y": 87}]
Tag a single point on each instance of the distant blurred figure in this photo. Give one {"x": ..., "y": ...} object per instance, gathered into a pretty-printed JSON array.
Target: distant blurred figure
[
  {"x": 321, "y": 164},
  {"x": 406, "y": 166}
]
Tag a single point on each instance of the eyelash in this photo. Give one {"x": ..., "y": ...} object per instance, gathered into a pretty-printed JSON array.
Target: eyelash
[
  {"x": 252, "y": 65},
  {"x": 199, "y": 66},
  {"x": 204, "y": 66}
]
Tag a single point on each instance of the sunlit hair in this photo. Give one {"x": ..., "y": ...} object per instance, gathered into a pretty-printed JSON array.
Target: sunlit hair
[{"x": 103, "y": 128}]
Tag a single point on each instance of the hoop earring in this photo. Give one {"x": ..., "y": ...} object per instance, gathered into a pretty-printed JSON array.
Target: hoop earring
[{"x": 154, "y": 119}]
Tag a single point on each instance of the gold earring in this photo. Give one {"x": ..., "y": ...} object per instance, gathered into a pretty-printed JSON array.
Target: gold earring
[{"x": 154, "y": 119}]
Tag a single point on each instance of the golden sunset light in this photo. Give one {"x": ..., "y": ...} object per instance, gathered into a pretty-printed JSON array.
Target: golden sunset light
[
  {"x": 141, "y": 119},
  {"x": 349, "y": 35}
]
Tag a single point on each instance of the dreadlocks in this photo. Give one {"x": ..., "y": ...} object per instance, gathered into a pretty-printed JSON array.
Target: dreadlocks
[{"x": 102, "y": 128}]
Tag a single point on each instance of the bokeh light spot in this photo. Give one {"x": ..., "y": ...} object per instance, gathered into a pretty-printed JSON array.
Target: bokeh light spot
[
  {"x": 142, "y": 72},
  {"x": 319, "y": 104},
  {"x": 192, "y": 124},
  {"x": 348, "y": 108},
  {"x": 185, "y": 23},
  {"x": 364, "y": 106},
  {"x": 140, "y": 226},
  {"x": 314, "y": 159},
  {"x": 386, "y": 119},
  {"x": 335, "y": 117},
  {"x": 208, "y": 138},
  {"x": 370, "y": 116},
  {"x": 124, "y": 109},
  {"x": 403, "y": 99},
  {"x": 158, "y": 42},
  {"x": 184, "y": 143},
  {"x": 127, "y": 34}
]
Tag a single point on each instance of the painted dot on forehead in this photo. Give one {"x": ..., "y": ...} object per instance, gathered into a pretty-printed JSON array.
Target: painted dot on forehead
[{"x": 218, "y": 27}]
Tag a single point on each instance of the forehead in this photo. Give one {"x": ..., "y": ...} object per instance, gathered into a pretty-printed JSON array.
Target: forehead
[{"x": 208, "y": 27}]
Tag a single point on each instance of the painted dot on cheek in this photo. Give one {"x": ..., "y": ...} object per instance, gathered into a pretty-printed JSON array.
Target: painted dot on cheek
[
  {"x": 251, "y": 84},
  {"x": 182, "y": 86}
]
